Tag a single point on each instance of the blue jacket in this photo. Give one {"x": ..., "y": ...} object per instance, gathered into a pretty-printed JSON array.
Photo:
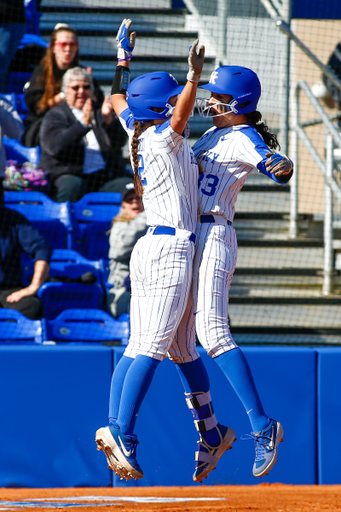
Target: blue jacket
[{"x": 17, "y": 234}]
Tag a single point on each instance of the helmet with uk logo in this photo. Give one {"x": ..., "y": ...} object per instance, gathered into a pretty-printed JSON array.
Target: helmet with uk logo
[{"x": 241, "y": 83}]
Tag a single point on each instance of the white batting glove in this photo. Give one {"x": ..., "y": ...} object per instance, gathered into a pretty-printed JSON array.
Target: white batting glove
[
  {"x": 279, "y": 165},
  {"x": 125, "y": 41},
  {"x": 195, "y": 62}
]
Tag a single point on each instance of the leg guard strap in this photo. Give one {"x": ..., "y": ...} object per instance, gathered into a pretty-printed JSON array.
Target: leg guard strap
[
  {"x": 198, "y": 400},
  {"x": 206, "y": 424}
]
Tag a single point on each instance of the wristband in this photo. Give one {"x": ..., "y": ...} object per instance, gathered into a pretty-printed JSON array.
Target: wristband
[{"x": 121, "y": 80}]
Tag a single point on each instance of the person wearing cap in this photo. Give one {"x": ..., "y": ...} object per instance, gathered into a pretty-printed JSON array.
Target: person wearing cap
[
  {"x": 43, "y": 91},
  {"x": 127, "y": 227}
]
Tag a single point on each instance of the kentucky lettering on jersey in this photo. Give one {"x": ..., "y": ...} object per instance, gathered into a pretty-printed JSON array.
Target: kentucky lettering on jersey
[{"x": 169, "y": 173}]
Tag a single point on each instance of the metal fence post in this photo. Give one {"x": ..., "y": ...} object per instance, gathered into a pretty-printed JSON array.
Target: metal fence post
[{"x": 328, "y": 219}]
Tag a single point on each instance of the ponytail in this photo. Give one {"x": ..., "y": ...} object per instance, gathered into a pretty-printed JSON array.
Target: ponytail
[{"x": 255, "y": 120}]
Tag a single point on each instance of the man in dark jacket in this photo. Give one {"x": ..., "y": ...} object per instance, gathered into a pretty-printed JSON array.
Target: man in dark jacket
[
  {"x": 16, "y": 235},
  {"x": 81, "y": 146},
  {"x": 334, "y": 63}
]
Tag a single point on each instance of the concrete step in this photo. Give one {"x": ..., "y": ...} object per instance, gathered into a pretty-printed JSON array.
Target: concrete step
[
  {"x": 314, "y": 313},
  {"x": 110, "y": 19},
  {"x": 119, "y": 4},
  {"x": 275, "y": 199},
  {"x": 299, "y": 337},
  {"x": 285, "y": 254}
]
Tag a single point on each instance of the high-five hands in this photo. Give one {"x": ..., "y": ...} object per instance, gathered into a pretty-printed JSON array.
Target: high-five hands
[
  {"x": 195, "y": 62},
  {"x": 125, "y": 41}
]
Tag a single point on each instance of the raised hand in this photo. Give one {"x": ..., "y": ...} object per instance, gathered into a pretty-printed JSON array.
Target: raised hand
[
  {"x": 125, "y": 40},
  {"x": 195, "y": 62}
]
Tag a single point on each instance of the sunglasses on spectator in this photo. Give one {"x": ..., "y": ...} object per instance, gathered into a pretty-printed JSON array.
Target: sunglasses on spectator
[
  {"x": 63, "y": 45},
  {"x": 77, "y": 87}
]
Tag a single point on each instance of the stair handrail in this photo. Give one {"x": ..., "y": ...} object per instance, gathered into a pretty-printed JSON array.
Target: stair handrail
[{"x": 326, "y": 167}]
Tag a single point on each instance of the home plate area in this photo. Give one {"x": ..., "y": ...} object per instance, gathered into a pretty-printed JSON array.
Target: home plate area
[{"x": 93, "y": 501}]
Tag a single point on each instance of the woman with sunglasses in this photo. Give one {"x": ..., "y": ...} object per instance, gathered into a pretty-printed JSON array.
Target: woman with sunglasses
[
  {"x": 43, "y": 91},
  {"x": 80, "y": 142}
]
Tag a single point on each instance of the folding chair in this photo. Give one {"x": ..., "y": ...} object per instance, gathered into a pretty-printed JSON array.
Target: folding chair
[
  {"x": 57, "y": 297},
  {"x": 16, "y": 328},
  {"x": 50, "y": 218},
  {"x": 91, "y": 220},
  {"x": 86, "y": 325}
]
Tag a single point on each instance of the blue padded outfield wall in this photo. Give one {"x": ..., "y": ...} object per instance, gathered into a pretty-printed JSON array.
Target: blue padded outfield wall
[{"x": 55, "y": 397}]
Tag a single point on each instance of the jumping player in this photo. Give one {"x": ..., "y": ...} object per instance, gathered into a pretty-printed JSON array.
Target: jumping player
[
  {"x": 237, "y": 144},
  {"x": 166, "y": 176}
]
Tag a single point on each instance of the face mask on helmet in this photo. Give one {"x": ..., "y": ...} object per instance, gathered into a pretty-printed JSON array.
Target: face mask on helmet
[
  {"x": 241, "y": 83},
  {"x": 208, "y": 109}
]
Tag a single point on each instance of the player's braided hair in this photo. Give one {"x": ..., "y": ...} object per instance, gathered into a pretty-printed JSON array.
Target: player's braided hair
[
  {"x": 255, "y": 119},
  {"x": 139, "y": 127}
]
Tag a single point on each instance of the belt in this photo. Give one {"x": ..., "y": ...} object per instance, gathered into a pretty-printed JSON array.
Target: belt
[
  {"x": 207, "y": 219},
  {"x": 165, "y": 230}
]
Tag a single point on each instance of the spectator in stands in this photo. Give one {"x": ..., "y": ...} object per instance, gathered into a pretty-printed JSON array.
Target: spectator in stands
[
  {"x": 17, "y": 234},
  {"x": 12, "y": 29},
  {"x": 43, "y": 91},
  {"x": 81, "y": 144},
  {"x": 11, "y": 125},
  {"x": 127, "y": 228}
]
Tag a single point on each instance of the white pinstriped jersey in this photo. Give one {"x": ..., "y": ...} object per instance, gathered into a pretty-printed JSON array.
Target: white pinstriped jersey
[
  {"x": 169, "y": 175},
  {"x": 228, "y": 156}
]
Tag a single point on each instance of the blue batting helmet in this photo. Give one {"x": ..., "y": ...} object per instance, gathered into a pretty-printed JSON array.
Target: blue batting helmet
[
  {"x": 152, "y": 91},
  {"x": 241, "y": 83}
]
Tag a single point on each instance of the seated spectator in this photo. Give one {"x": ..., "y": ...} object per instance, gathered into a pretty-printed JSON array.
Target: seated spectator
[
  {"x": 43, "y": 91},
  {"x": 81, "y": 144},
  {"x": 127, "y": 228},
  {"x": 12, "y": 29},
  {"x": 16, "y": 234},
  {"x": 11, "y": 125}
]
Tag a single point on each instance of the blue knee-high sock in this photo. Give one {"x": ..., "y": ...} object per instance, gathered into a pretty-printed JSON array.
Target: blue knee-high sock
[
  {"x": 195, "y": 380},
  {"x": 236, "y": 368},
  {"x": 194, "y": 376},
  {"x": 116, "y": 387},
  {"x": 136, "y": 384}
]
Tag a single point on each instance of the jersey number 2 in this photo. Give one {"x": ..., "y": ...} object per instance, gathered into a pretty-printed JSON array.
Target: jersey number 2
[
  {"x": 210, "y": 185},
  {"x": 141, "y": 171}
]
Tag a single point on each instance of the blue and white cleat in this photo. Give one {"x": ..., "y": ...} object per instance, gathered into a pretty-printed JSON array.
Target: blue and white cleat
[
  {"x": 120, "y": 451},
  {"x": 266, "y": 443},
  {"x": 207, "y": 456}
]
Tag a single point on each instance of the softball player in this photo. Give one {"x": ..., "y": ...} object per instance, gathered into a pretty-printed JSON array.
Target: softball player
[
  {"x": 236, "y": 145},
  {"x": 165, "y": 175}
]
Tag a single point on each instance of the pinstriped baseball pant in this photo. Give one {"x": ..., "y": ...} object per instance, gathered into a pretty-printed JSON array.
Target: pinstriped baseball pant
[
  {"x": 213, "y": 268},
  {"x": 161, "y": 277}
]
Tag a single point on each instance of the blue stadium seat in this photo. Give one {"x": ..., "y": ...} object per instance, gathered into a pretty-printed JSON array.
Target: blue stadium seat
[
  {"x": 91, "y": 220},
  {"x": 16, "y": 151},
  {"x": 86, "y": 325},
  {"x": 65, "y": 263},
  {"x": 50, "y": 218},
  {"x": 16, "y": 328},
  {"x": 57, "y": 297}
]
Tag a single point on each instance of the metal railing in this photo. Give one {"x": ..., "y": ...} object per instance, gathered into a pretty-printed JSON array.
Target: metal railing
[{"x": 327, "y": 166}]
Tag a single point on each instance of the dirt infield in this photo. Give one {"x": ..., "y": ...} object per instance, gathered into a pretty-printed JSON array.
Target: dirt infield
[{"x": 262, "y": 498}]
